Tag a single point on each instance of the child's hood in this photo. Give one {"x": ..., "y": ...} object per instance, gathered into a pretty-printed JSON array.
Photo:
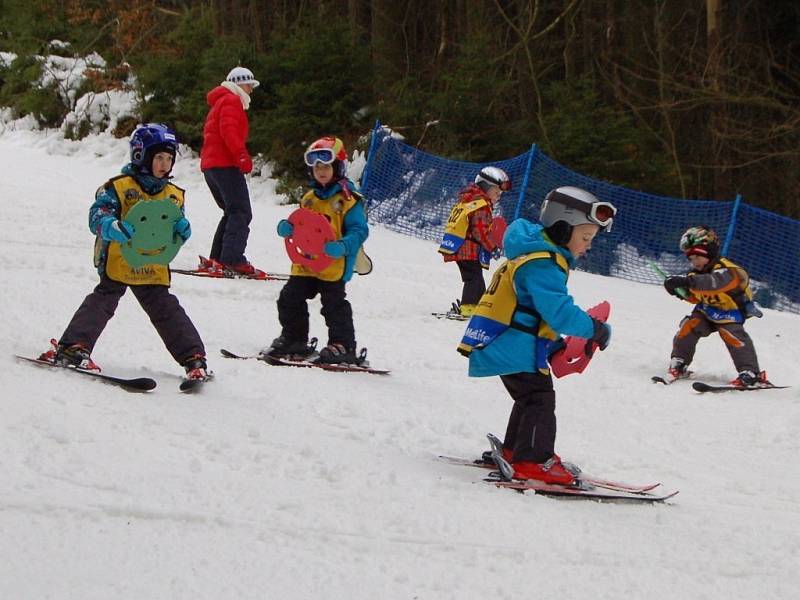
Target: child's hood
[
  {"x": 214, "y": 95},
  {"x": 473, "y": 192},
  {"x": 149, "y": 183},
  {"x": 524, "y": 237}
]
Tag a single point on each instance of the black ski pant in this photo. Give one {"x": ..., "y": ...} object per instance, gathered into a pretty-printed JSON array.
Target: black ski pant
[
  {"x": 696, "y": 326},
  {"x": 472, "y": 276},
  {"x": 293, "y": 310},
  {"x": 229, "y": 188},
  {"x": 165, "y": 312},
  {"x": 531, "y": 430}
]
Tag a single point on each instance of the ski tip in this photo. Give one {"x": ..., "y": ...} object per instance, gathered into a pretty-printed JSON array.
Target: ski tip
[
  {"x": 190, "y": 386},
  {"x": 658, "y": 379},
  {"x": 143, "y": 384}
]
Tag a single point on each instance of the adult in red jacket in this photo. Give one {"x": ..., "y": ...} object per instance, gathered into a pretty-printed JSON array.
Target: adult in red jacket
[{"x": 225, "y": 161}]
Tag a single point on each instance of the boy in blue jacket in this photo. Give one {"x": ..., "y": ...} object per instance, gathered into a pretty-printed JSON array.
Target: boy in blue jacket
[
  {"x": 519, "y": 320},
  {"x": 335, "y": 197}
]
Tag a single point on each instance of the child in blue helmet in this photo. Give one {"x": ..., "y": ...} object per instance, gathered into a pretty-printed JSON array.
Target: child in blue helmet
[
  {"x": 153, "y": 148},
  {"x": 518, "y": 322},
  {"x": 333, "y": 195}
]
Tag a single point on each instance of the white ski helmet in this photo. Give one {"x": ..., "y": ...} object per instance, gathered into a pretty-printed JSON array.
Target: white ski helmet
[
  {"x": 489, "y": 176},
  {"x": 567, "y": 206}
]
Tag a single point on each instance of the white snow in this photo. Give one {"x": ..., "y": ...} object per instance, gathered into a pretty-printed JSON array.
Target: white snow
[{"x": 298, "y": 484}]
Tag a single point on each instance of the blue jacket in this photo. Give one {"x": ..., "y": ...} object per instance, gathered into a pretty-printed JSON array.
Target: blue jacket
[{"x": 539, "y": 284}]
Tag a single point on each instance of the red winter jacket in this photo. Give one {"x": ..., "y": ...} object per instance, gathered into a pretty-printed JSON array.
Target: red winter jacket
[{"x": 225, "y": 131}]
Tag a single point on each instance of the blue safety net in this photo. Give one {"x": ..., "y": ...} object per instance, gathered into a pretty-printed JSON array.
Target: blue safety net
[{"x": 412, "y": 192}]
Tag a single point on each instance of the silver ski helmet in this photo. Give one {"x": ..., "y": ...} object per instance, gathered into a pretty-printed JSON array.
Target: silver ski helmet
[
  {"x": 567, "y": 206},
  {"x": 489, "y": 176}
]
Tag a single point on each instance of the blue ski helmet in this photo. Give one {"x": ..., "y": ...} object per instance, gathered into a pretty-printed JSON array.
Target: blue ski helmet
[{"x": 147, "y": 141}]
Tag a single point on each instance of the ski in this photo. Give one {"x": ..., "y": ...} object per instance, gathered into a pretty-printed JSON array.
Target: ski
[
  {"x": 701, "y": 387},
  {"x": 230, "y": 275},
  {"x": 139, "y": 384},
  {"x": 454, "y": 314},
  {"x": 308, "y": 362},
  {"x": 583, "y": 492},
  {"x": 449, "y": 316},
  {"x": 665, "y": 381},
  {"x": 585, "y": 477}
]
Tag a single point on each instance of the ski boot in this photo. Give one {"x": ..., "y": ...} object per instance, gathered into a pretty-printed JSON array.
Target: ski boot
[
  {"x": 70, "y": 355},
  {"x": 678, "y": 369},
  {"x": 459, "y": 312},
  {"x": 550, "y": 471},
  {"x": 196, "y": 368},
  {"x": 751, "y": 379},
  {"x": 338, "y": 354},
  {"x": 211, "y": 266},
  {"x": 282, "y": 347},
  {"x": 245, "y": 269}
]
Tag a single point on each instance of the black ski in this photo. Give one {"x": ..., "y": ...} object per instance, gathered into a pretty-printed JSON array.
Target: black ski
[
  {"x": 665, "y": 381},
  {"x": 701, "y": 387},
  {"x": 139, "y": 384},
  {"x": 192, "y": 386},
  {"x": 308, "y": 362}
]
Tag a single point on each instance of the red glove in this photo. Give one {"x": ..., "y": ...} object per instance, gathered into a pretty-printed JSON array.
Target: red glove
[{"x": 245, "y": 164}]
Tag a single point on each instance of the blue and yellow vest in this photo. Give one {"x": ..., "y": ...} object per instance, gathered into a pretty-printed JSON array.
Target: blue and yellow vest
[
  {"x": 455, "y": 230},
  {"x": 498, "y": 306},
  {"x": 129, "y": 192},
  {"x": 334, "y": 209}
]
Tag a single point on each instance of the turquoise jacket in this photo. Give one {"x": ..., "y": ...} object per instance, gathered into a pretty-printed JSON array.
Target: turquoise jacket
[{"x": 539, "y": 284}]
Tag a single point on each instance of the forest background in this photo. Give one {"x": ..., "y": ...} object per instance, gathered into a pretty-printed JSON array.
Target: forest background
[{"x": 684, "y": 98}]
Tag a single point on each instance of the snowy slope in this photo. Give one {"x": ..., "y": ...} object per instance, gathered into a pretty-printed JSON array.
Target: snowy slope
[{"x": 293, "y": 484}]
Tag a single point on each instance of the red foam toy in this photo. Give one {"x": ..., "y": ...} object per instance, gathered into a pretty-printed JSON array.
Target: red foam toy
[
  {"x": 499, "y": 227},
  {"x": 573, "y": 358},
  {"x": 306, "y": 245}
]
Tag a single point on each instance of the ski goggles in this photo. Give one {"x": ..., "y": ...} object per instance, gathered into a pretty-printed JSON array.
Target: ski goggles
[
  {"x": 598, "y": 213},
  {"x": 504, "y": 184},
  {"x": 325, "y": 156}
]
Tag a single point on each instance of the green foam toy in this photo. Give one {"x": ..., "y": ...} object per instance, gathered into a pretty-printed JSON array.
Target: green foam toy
[{"x": 154, "y": 241}]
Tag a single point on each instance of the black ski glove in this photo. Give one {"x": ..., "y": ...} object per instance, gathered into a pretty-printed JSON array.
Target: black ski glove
[
  {"x": 671, "y": 284},
  {"x": 601, "y": 337}
]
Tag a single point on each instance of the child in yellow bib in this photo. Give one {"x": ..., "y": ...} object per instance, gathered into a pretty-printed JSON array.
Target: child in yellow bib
[
  {"x": 153, "y": 148},
  {"x": 467, "y": 238},
  {"x": 519, "y": 320},
  {"x": 333, "y": 195}
]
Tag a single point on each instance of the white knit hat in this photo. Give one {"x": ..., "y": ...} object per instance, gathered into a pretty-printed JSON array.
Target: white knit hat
[{"x": 241, "y": 75}]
